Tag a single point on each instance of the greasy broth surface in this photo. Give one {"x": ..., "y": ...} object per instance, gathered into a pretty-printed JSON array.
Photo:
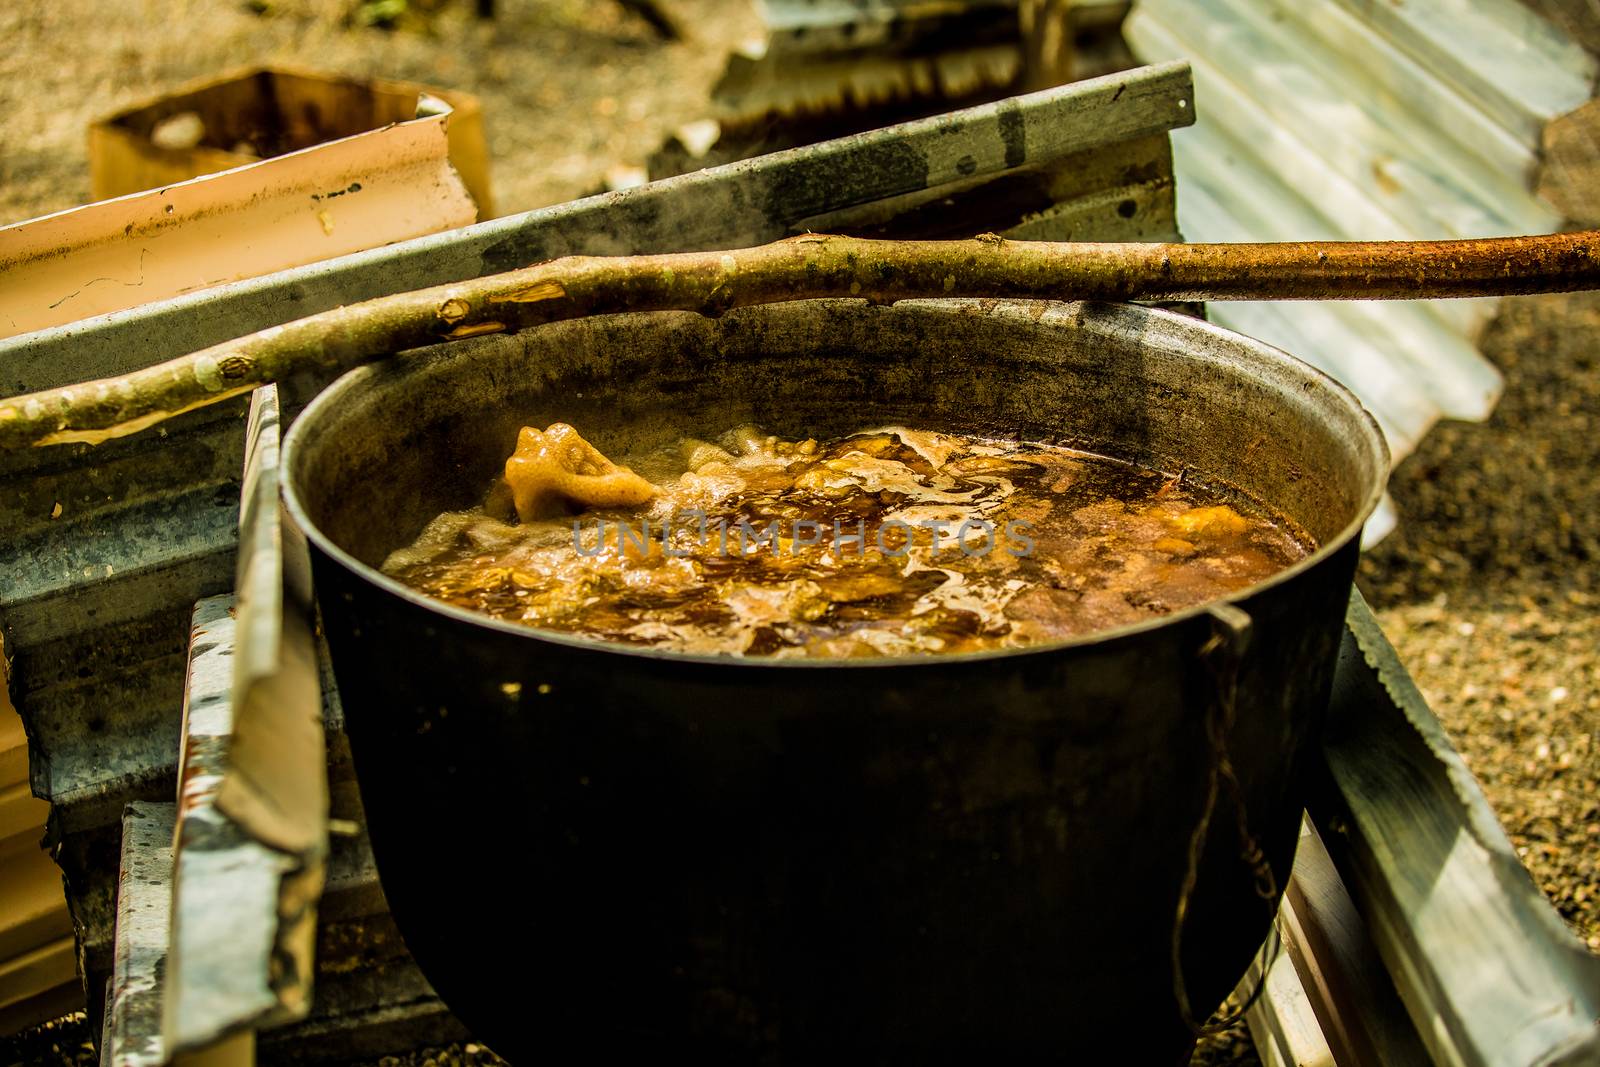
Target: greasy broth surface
[{"x": 1057, "y": 543}]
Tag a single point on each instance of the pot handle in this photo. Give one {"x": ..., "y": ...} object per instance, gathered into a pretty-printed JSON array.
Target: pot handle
[{"x": 1223, "y": 653}]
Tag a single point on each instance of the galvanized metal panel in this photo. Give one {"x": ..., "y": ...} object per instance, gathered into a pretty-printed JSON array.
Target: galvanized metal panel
[
  {"x": 1519, "y": 68},
  {"x": 1410, "y": 866},
  {"x": 1349, "y": 119},
  {"x": 1489, "y": 973},
  {"x": 1389, "y": 75},
  {"x": 1336, "y": 1005},
  {"x": 133, "y": 1013},
  {"x": 234, "y": 960},
  {"x": 1396, "y": 149},
  {"x": 251, "y": 836}
]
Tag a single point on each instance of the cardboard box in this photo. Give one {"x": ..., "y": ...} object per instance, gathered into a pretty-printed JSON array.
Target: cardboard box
[
  {"x": 385, "y": 183},
  {"x": 263, "y": 112}
]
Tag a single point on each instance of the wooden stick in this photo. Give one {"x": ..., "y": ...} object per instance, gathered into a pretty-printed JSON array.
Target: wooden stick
[{"x": 795, "y": 269}]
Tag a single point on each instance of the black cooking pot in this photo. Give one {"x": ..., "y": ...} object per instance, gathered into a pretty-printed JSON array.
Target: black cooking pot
[{"x": 595, "y": 850}]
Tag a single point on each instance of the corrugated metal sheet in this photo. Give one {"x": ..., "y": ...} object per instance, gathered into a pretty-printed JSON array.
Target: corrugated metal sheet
[{"x": 1368, "y": 119}]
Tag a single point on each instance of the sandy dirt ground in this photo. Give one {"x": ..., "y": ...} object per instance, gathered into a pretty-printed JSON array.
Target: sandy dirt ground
[{"x": 1488, "y": 589}]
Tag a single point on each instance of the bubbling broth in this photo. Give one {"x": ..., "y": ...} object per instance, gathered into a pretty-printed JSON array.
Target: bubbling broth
[{"x": 887, "y": 542}]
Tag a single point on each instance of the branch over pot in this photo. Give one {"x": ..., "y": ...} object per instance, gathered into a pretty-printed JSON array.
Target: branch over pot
[{"x": 800, "y": 268}]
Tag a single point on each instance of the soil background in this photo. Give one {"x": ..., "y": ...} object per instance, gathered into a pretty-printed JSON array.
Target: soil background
[{"x": 1488, "y": 588}]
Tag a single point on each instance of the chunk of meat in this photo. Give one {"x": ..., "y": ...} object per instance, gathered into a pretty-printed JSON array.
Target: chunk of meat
[
  {"x": 558, "y": 465},
  {"x": 1216, "y": 520}
]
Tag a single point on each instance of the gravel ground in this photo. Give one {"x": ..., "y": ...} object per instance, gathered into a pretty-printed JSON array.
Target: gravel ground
[{"x": 1487, "y": 589}]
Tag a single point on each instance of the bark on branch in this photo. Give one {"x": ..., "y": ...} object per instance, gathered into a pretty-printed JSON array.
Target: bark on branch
[{"x": 795, "y": 269}]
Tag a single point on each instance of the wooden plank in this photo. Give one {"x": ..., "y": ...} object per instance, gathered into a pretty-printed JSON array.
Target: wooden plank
[
  {"x": 13, "y": 741},
  {"x": 21, "y": 811},
  {"x": 33, "y": 909},
  {"x": 303, "y": 108},
  {"x": 53, "y": 1003},
  {"x": 38, "y": 971},
  {"x": 13, "y": 755},
  {"x": 1333, "y": 955},
  {"x": 33, "y": 906},
  {"x": 1283, "y": 1025},
  {"x": 1488, "y": 972}
]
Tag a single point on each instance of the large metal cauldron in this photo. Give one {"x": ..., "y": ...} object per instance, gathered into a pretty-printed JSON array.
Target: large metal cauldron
[{"x": 595, "y": 851}]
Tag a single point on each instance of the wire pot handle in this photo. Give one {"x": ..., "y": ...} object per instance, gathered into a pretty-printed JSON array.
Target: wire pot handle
[{"x": 1223, "y": 654}]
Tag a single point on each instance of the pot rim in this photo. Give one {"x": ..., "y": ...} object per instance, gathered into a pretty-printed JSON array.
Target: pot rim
[{"x": 330, "y": 396}]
